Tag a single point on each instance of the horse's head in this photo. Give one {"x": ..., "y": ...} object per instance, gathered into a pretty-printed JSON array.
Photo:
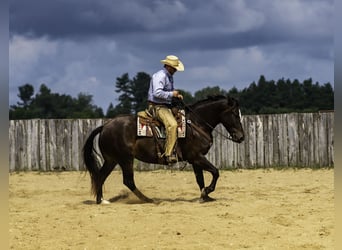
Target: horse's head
[{"x": 231, "y": 119}]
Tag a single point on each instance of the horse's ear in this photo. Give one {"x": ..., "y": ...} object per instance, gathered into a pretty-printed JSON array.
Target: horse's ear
[
  {"x": 229, "y": 100},
  {"x": 210, "y": 97},
  {"x": 232, "y": 101}
]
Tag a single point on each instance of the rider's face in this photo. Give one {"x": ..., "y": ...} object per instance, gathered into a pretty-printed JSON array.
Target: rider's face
[{"x": 170, "y": 69}]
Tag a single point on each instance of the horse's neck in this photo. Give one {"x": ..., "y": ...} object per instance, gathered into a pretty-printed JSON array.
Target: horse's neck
[{"x": 205, "y": 117}]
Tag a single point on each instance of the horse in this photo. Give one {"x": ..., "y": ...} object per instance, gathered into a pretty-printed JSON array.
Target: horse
[{"x": 119, "y": 144}]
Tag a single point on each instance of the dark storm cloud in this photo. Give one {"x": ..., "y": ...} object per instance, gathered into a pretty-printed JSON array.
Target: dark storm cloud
[
  {"x": 67, "y": 42},
  {"x": 183, "y": 25},
  {"x": 65, "y": 18}
]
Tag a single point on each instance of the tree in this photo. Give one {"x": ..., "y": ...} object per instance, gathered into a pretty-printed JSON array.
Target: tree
[
  {"x": 83, "y": 107},
  {"x": 48, "y": 105},
  {"x": 208, "y": 91},
  {"x": 326, "y": 101},
  {"x": 124, "y": 86},
  {"x": 25, "y": 94},
  {"x": 285, "y": 96},
  {"x": 111, "y": 111},
  {"x": 263, "y": 97},
  {"x": 133, "y": 94},
  {"x": 233, "y": 92},
  {"x": 139, "y": 90},
  {"x": 43, "y": 104}
]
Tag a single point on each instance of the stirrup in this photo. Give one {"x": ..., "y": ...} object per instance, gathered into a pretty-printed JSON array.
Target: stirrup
[{"x": 171, "y": 159}]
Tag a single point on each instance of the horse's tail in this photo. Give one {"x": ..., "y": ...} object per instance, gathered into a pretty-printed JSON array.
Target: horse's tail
[{"x": 91, "y": 161}]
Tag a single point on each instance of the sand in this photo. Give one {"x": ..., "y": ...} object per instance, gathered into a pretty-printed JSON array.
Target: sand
[{"x": 254, "y": 209}]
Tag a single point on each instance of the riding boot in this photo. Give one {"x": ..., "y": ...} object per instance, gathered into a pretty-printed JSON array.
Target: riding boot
[{"x": 171, "y": 159}]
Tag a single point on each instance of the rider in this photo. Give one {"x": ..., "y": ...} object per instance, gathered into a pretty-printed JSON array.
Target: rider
[{"x": 160, "y": 94}]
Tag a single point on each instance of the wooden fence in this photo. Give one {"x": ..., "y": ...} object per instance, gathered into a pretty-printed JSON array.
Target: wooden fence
[{"x": 278, "y": 140}]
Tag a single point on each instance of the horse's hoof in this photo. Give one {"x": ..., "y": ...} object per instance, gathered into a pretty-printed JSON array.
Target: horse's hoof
[
  {"x": 148, "y": 200},
  {"x": 105, "y": 202},
  {"x": 206, "y": 199}
]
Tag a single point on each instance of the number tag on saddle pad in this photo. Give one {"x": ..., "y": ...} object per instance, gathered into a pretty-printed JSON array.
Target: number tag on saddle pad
[{"x": 144, "y": 129}]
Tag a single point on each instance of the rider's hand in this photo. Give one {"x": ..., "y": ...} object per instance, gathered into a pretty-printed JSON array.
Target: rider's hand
[{"x": 177, "y": 95}]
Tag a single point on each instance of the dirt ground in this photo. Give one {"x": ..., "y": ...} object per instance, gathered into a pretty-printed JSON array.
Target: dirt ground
[{"x": 254, "y": 209}]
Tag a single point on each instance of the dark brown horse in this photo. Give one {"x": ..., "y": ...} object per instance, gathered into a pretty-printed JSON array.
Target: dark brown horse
[{"x": 119, "y": 144}]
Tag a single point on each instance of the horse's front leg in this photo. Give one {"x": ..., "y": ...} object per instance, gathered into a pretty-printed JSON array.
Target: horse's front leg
[{"x": 199, "y": 166}]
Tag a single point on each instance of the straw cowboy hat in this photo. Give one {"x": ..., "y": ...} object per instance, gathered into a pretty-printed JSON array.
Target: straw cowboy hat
[{"x": 174, "y": 62}]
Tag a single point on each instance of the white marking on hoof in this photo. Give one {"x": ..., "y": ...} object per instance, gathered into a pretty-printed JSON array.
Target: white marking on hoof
[{"x": 105, "y": 201}]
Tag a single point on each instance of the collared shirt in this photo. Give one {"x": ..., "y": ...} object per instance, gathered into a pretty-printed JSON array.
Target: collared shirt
[{"x": 161, "y": 87}]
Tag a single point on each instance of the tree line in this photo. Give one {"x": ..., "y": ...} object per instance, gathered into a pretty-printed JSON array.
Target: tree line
[{"x": 261, "y": 97}]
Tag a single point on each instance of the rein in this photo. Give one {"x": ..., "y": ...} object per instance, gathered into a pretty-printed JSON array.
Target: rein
[{"x": 205, "y": 122}]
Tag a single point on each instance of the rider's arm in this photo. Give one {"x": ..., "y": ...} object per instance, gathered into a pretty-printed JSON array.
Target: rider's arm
[{"x": 161, "y": 87}]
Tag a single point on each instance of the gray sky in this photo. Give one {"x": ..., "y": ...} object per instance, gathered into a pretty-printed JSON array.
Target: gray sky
[{"x": 78, "y": 46}]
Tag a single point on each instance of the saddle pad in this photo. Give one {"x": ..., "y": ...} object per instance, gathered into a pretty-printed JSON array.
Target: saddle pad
[{"x": 144, "y": 129}]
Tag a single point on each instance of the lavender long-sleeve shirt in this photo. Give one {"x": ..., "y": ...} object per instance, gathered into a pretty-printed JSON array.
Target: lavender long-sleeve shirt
[{"x": 161, "y": 87}]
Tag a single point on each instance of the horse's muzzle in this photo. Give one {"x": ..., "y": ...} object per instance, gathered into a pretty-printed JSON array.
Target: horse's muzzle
[{"x": 238, "y": 137}]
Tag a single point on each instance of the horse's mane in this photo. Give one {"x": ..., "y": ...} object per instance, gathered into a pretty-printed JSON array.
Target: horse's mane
[{"x": 208, "y": 99}]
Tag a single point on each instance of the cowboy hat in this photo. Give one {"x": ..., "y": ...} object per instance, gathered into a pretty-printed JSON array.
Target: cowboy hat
[{"x": 174, "y": 62}]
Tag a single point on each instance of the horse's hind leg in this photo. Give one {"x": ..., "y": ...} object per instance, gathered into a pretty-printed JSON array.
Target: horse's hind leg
[
  {"x": 105, "y": 170},
  {"x": 128, "y": 180}
]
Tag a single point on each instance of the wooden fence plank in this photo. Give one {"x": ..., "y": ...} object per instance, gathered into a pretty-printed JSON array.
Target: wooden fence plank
[
  {"x": 12, "y": 145},
  {"x": 241, "y": 148},
  {"x": 302, "y": 141},
  {"x": 74, "y": 147},
  {"x": 330, "y": 134},
  {"x": 309, "y": 140},
  {"x": 270, "y": 140},
  {"x": 260, "y": 141},
  {"x": 322, "y": 138},
  {"x": 316, "y": 122},
  {"x": 276, "y": 138},
  {"x": 21, "y": 142},
  {"x": 293, "y": 142},
  {"x": 42, "y": 144},
  {"x": 282, "y": 141},
  {"x": 251, "y": 142}
]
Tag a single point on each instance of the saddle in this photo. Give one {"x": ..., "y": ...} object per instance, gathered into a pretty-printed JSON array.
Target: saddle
[{"x": 149, "y": 126}]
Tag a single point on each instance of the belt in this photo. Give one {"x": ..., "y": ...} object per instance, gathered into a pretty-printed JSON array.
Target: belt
[{"x": 159, "y": 104}]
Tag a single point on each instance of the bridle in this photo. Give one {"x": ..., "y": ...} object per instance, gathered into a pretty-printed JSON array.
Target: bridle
[{"x": 229, "y": 137}]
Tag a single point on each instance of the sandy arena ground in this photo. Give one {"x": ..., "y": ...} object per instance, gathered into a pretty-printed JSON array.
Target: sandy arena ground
[{"x": 255, "y": 209}]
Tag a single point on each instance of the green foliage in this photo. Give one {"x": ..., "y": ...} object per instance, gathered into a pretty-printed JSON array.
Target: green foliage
[
  {"x": 263, "y": 97},
  {"x": 140, "y": 85},
  {"x": 48, "y": 105},
  {"x": 285, "y": 96},
  {"x": 133, "y": 94},
  {"x": 25, "y": 94},
  {"x": 208, "y": 91},
  {"x": 124, "y": 86}
]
